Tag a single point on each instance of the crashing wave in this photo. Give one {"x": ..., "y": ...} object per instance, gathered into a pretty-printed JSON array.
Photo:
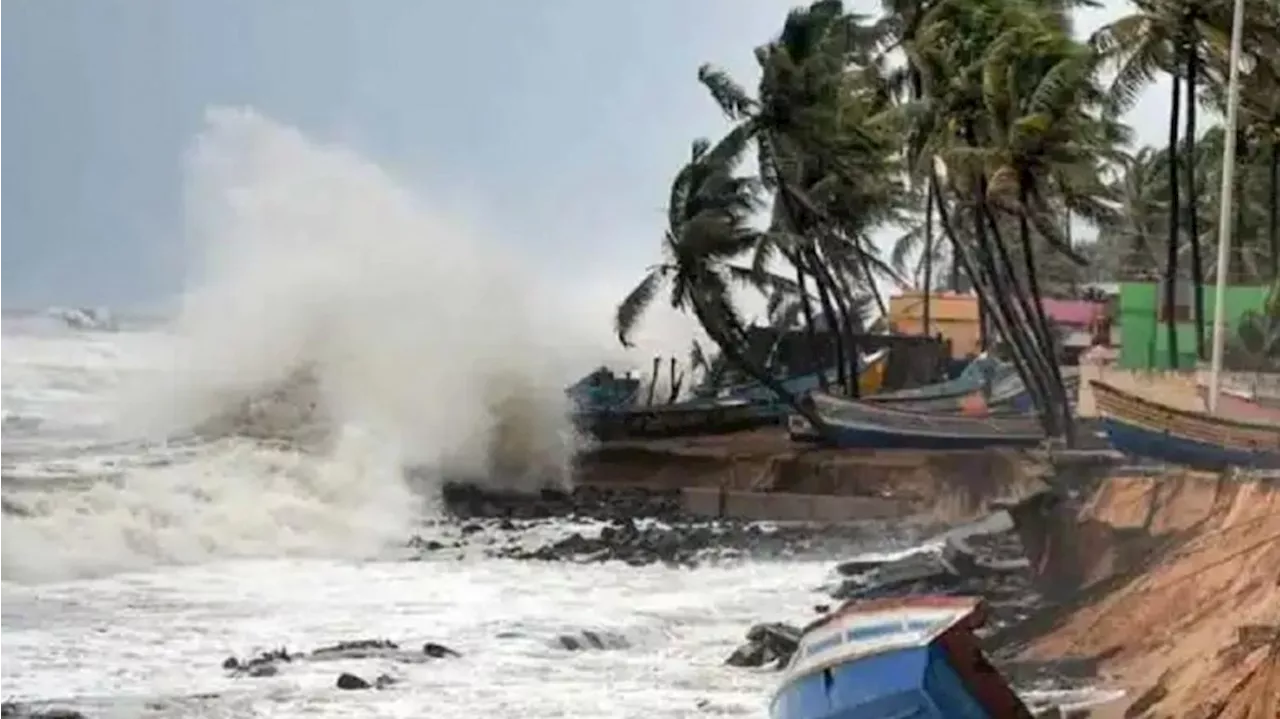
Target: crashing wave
[
  {"x": 291, "y": 413},
  {"x": 522, "y": 447}
]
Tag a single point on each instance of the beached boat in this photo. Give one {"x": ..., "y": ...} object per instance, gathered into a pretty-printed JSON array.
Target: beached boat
[
  {"x": 749, "y": 407},
  {"x": 904, "y": 657},
  {"x": 696, "y": 417},
  {"x": 1240, "y": 406},
  {"x": 1147, "y": 428},
  {"x": 864, "y": 425},
  {"x": 871, "y": 368}
]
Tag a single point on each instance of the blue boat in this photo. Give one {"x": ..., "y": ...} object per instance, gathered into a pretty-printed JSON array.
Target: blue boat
[
  {"x": 870, "y": 372},
  {"x": 1145, "y": 428},
  {"x": 895, "y": 658},
  {"x": 865, "y": 425}
]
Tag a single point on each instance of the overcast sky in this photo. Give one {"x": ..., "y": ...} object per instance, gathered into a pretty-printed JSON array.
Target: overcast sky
[{"x": 559, "y": 120}]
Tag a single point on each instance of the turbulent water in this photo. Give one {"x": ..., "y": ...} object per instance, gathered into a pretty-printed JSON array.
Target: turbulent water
[{"x": 231, "y": 478}]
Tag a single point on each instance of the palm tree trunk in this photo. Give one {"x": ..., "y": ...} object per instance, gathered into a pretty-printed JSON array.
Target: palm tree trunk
[
  {"x": 987, "y": 293},
  {"x": 806, "y": 310},
  {"x": 840, "y": 293},
  {"x": 928, "y": 259},
  {"x": 1029, "y": 330},
  {"x": 724, "y": 337},
  {"x": 1273, "y": 211},
  {"x": 1171, "y": 258},
  {"x": 1197, "y": 267},
  {"x": 1239, "y": 272},
  {"x": 1033, "y": 284},
  {"x": 832, "y": 322}
]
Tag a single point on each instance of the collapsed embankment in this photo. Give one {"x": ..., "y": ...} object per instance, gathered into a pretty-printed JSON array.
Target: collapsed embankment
[
  {"x": 1171, "y": 583},
  {"x": 763, "y": 476}
]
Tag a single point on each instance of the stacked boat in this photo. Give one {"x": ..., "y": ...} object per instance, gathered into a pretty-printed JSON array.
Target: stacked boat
[
  {"x": 734, "y": 409},
  {"x": 984, "y": 407}
]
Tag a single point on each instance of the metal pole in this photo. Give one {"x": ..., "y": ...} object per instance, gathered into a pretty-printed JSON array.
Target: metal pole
[{"x": 1224, "y": 209}]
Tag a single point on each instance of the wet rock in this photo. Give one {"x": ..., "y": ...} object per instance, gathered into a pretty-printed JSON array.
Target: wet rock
[
  {"x": 468, "y": 501},
  {"x": 351, "y": 682},
  {"x": 769, "y": 642},
  {"x": 263, "y": 665},
  {"x": 357, "y": 649},
  {"x": 588, "y": 639},
  {"x": 17, "y": 710},
  {"x": 438, "y": 651}
]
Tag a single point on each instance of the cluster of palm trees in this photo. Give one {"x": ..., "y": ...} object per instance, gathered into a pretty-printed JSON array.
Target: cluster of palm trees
[{"x": 982, "y": 130}]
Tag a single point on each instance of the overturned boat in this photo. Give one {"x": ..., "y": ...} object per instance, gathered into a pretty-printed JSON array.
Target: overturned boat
[{"x": 904, "y": 657}]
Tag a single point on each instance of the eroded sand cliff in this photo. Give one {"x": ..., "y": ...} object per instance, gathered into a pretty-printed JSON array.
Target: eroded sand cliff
[{"x": 1173, "y": 582}]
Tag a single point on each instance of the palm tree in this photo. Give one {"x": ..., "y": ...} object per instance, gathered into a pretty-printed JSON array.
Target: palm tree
[
  {"x": 825, "y": 148},
  {"x": 1042, "y": 140},
  {"x": 708, "y": 218}
]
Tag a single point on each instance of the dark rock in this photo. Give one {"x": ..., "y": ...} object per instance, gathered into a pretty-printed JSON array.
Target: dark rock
[
  {"x": 769, "y": 642},
  {"x": 357, "y": 649},
  {"x": 383, "y": 681},
  {"x": 438, "y": 651},
  {"x": 263, "y": 665},
  {"x": 588, "y": 639},
  {"x": 351, "y": 682},
  {"x": 17, "y": 710},
  {"x": 471, "y": 529}
]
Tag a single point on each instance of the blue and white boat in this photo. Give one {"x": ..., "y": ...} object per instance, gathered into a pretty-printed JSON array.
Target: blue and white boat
[{"x": 913, "y": 657}]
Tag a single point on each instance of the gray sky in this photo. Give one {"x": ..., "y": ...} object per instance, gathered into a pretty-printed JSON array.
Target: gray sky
[{"x": 561, "y": 121}]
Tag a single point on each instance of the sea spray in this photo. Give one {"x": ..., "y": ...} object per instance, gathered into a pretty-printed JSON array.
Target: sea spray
[
  {"x": 309, "y": 258},
  {"x": 326, "y": 298}
]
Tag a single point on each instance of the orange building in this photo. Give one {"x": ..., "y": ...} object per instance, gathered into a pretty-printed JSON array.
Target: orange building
[{"x": 954, "y": 316}]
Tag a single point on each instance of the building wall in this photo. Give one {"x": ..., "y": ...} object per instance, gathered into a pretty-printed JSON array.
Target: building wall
[
  {"x": 1145, "y": 340},
  {"x": 953, "y": 316}
]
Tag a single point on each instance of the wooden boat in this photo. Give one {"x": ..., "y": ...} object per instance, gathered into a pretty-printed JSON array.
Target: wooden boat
[
  {"x": 696, "y": 417},
  {"x": 863, "y": 425},
  {"x": 1146, "y": 428},
  {"x": 747, "y": 407},
  {"x": 904, "y": 657},
  {"x": 1239, "y": 406},
  {"x": 982, "y": 372},
  {"x": 870, "y": 379}
]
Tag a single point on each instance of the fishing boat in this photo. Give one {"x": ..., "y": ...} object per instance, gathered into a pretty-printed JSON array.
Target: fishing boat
[
  {"x": 902, "y": 657},
  {"x": 695, "y": 417},
  {"x": 1146, "y": 428},
  {"x": 871, "y": 368},
  {"x": 864, "y": 425},
  {"x": 743, "y": 408},
  {"x": 1241, "y": 406}
]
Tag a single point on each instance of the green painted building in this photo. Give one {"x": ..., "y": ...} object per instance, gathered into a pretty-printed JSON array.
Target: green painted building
[{"x": 1144, "y": 339}]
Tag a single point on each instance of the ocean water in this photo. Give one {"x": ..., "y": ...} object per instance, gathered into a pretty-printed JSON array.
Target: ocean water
[
  {"x": 229, "y": 478},
  {"x": 131, "y": 570}
]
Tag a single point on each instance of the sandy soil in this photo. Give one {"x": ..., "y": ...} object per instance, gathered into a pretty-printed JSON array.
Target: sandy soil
[{"x": 1187, "y": 614}]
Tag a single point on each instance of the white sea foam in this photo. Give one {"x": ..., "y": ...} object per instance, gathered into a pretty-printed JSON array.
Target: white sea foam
[{"x": 417, "y": 341}]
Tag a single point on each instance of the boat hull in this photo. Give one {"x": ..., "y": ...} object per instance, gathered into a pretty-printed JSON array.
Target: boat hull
[
  {"x": 677, "y": 421},
  {"x": 895, "y": 657},
  {"x": 1146, "y": 428},
  {"x": 1139, "y": 441},
  {"x": 917, "y": 682},
  {"x": 861, "y": 425}
]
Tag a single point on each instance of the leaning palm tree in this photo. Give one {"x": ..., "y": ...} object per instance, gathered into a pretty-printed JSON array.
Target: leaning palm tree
[
  {"x": 818, "y": 139},
  {"x": 709, "y": 224}
]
